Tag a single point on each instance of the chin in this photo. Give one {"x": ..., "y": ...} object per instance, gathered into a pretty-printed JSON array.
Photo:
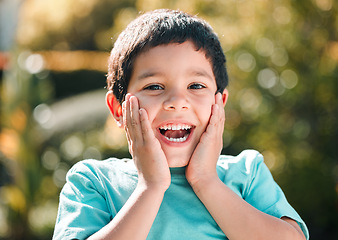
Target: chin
[{"x": 178, "y": 161}]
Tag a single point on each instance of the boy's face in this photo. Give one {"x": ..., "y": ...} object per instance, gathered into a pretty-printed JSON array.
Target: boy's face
[{"x": 175, "y": 84}]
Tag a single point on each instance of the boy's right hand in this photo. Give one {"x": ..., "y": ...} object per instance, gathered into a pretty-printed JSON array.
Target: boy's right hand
[{"x": 149, "y": 158}]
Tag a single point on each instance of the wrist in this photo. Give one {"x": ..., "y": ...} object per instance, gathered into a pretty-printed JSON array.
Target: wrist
[
  {"x": 152, "y": 186},
  {"x": 203, "y": 182}
]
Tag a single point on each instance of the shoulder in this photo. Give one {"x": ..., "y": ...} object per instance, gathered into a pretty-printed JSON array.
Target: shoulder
[
  {"x": 238, "y": 172},
  {"x": 91, "y": 189},
  {"x": 109, "y": 164},
  {"x": 96, "y": 169},
  {"x": 245, "y": 162}
]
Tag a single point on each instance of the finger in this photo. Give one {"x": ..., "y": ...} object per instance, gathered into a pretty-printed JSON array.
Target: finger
[
  {"x": 124, "y": 109},
  {"x": 215, "y": 128},
  {"x": 124, "y": 118},
  {"x": 135, "y": 124},
  {"x": 220, "y": 118},
  {"x": 221, "y": 113},
  {"x": 129, "y": 121},
  {"x": 214, "y": 118},
  {"x": 124, "y": 115},
  {"x": 219, "y": 100},
  {"x": 127, "y": 113},
  {"x": 210, "y": 131},
  {"x": 147, "y": 132}
]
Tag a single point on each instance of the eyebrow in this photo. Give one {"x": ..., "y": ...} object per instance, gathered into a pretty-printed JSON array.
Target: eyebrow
[
  {"x": 194, "y": 72},
  {"x": 149, "y": 74},
  {"x": 201, "y": 73}
]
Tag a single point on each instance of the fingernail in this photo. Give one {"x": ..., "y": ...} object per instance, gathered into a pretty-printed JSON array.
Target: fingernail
[
  {"x": 219, "y": 96},
  {"x": 127, "y": 96},
  {"x": 132, "y": 99}
]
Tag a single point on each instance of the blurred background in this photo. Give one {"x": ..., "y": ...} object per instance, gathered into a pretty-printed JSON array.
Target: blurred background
[{"x": 283, "y": 66}]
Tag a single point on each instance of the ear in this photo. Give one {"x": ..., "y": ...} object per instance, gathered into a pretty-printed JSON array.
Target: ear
[
  {"x": 225, "y": 95},
  {"x": 115, "y": 108}
]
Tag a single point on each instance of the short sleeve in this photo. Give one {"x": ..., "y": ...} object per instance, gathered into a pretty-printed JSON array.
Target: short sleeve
[
  {"x": 264, "y": 194},
  {"x": 82, "y": 208}
]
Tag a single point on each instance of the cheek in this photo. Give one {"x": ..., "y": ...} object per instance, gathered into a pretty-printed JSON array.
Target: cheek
[
  {"x": 204, "y": 108},
  {"x": 148, "y": 105}
]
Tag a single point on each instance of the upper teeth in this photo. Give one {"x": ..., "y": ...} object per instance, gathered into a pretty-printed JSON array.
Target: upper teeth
[{"x": 176, "y": 127}]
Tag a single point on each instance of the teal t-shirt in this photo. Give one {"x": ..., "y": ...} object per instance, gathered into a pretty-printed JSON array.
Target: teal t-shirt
[{"x": 96, "y": 190}]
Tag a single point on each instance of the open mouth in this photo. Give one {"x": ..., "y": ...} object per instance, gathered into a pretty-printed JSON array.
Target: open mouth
[{"x": 176, "y": 132}]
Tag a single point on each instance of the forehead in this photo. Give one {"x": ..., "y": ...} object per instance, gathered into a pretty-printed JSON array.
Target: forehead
[
  {"x": 187, "y": 46},
  {"x": 172, "y": 59}
]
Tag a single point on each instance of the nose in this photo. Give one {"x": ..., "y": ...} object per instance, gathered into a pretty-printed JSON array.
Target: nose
[{"x": 176, "y": 101}]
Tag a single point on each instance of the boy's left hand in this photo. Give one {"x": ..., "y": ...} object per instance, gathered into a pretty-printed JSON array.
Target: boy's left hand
[{"x": 202, "y": 165}]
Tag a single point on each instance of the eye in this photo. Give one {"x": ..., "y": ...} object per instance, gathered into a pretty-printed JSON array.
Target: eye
[
  {"x": 153, "y": 87},
  {"x": 196, "y": 86}
]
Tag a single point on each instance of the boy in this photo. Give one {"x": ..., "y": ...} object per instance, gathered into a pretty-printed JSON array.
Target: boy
[{"x": 166, "y": 81}]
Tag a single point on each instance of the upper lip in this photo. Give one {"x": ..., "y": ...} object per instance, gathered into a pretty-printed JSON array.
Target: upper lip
[{"x": 176, "y": 126}]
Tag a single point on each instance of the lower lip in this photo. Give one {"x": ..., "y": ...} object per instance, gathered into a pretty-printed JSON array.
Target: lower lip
[{"x": 176, "y": 144}]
